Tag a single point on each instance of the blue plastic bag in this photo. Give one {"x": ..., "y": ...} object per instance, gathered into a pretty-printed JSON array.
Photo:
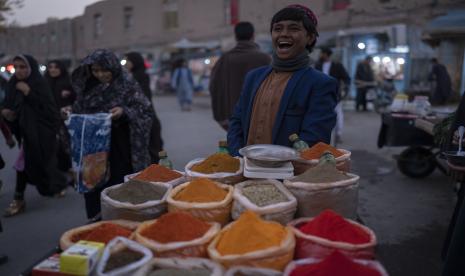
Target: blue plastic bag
[{"x": 90, "y": 145}]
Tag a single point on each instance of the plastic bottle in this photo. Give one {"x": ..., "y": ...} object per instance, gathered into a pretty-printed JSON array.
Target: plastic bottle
[
  {"x": 223, "y": 147},
  {"x": 298, "y": 144},
  {"x": 327, "y": 158},
  {"x": 164, "y": 161}
]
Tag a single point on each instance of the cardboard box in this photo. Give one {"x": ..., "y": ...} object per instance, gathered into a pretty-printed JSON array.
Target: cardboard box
[
  {"x": 81, "y": 258},
  {"x": 48, "y": 267}
]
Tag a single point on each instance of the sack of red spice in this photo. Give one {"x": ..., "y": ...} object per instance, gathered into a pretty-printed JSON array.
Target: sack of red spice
[
  {"x": 251, "y": 271},
  {"x": 139, "y": 203},
  {"x": 199, "y": 265},
  {"x": 303, "y": 163},
  {"x": 223, "y": 177},
  {"x": 217, "y": 211},
  {"x": 318, "y": 237},
  {"x": 312, "y": 198},
  {"x": 335, "y": 265},
  {"x": 282, "y": 209},
  {"x": 122, "y": 257},
  {"x": 158, "y": 174},
  {"x": 103, "y": 231}
]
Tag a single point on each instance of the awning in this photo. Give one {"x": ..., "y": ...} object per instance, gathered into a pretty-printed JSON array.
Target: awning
[{"x": 446, "y": 26}]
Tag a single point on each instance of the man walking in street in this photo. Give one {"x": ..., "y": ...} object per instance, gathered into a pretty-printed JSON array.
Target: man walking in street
[
  {"x": 364, "y": 80},
  {"x": 443, "y": 83},
  {"x": 228, "y": 74},
  {"x": 337, "y": 71}
]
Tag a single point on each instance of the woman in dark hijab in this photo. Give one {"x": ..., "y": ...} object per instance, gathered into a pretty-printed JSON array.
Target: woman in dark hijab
[
  {"x": 59, "y": 81},
  {"x": 30, "y": 107},
  {"x": 102, "y": 86},
  {"x": 136, "y": 66}
]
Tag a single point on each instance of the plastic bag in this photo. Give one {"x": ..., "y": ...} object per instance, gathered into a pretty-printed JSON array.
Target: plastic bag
[
  {"x": 66, "y": 239},
  {"x": 193, "y": 248},
  {"x": 117, "y": 244},
  {"x": 211, "y": 211},
  {"x": 113, "y": 209},
  {"x": 310, "y": 246},
  {"x": 276, "y": 257},
  {"x": 312, "y": 198},
  {"x": 90, "y": 144},
  {"x": 372, "y": 264},
  {"x": 251, "y": 271},
  {"x": 282, "y": 212},
  {"x": 226, "y": 178},
  {"x": 181, "y": 263},
  {"x": 173, "y": 183},
  {"x": 342, "y": 163}
]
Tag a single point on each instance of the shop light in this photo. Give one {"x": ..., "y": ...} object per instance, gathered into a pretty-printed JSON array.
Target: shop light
[
  {"x": 123, "y": 62},
  {"x": 207, "y": 61},
  {"x": 43, "y": 68},
  {"x": 386, "y": 60},
  {"x": 10, "y": 68},
  {"x": 12, "y": 71},
  {"x": 361, "y": 45},
  {"x": 400, "y": 61},
  {"x": 2, "y": 69},
  {"x": 377, "y": 59}
]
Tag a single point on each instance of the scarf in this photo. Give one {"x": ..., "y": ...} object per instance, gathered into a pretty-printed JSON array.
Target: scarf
[{"x": 290, "y": 65}]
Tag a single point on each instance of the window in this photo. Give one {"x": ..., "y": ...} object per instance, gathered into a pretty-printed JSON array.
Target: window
[
  {"x": 340, "y": 4},
  {"x": 53, "y": 37},
  {"x": 170, "y": 14},
  {"x": 98, "y": 28},
  {"x": 128, "y": 18},
  {"x": 43, "y": 39}
]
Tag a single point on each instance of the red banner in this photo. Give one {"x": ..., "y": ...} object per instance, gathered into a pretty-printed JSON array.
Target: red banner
[{"x": 234, "y": 12}]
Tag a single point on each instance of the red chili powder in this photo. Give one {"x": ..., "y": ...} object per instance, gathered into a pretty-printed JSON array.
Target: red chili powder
[
  {"x": 103, "y": 233},
  {"x": 335, "y": 264},
  {"x": 157, "y": 173},
  {"x": 330, "y": 225}
]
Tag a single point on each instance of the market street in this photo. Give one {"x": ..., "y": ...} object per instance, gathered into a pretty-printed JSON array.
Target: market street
[{"x": 409, "y": 216}]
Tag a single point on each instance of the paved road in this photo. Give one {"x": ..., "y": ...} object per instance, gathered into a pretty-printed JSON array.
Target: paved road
[{"x": 409, "y": 216}]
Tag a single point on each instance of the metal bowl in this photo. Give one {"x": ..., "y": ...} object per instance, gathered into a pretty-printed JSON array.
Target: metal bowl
[
  {"x": 454, "y": 159},
  {"x": 269, "y": 155}
]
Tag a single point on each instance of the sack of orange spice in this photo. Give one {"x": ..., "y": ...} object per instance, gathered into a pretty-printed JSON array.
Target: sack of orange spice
[
  {"x": 158, "y": 174},
  {"x": 177, "y": 234},
  {"x": 220, "y": 167},
  {"x": 181, "y": 266},
  {"x": 309, "y": 158},
  {"x": 204, "y": 199}
]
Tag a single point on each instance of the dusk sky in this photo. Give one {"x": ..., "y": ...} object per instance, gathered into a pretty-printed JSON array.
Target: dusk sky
[{"x": 37, "y": 11}]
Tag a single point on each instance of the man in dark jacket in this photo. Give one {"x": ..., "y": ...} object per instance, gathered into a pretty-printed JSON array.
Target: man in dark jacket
[
  {"x": 364, "y": 80},
  {"x": 443, "y": 83},
  {"x": 337, "y": 71},
  {"x": 228, "y": 74}
]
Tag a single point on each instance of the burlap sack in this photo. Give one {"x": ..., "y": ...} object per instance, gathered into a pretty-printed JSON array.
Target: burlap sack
[
  {"x": 181, "y": 263},
  {"x": 173, "y": 183},
  {"x": 251, "y": 271},
  {"x": 211, "y": 212},
  {"x": 342, "y": 163},
  {"x": 226, "y": 178}
]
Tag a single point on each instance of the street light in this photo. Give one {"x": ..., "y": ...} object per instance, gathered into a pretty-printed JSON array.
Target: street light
[
  {"x": 400, "y": 61},
  {"x": 361, "y": 45},
  {"x": 377, "y": 59},
  {"x": 2, "y": 69},
  {"x": 43, "y": 68},
  {"x": 386, "y": 60},
  {"x": 207, "y": 61},
  {"x": 123, "y": 62}
]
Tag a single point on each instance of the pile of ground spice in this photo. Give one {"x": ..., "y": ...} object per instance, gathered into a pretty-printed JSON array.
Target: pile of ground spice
[
  {"x": 104, "y": 233},
  {"x": 317, "y": 151},
  {"x": 157, "y": 173},
  {"x": 180, "y": 272},
  {"x": 331, "y": 226},
  {"x": 137, "y": 192},
  {"x": 218, "y": 163},
  {"x": 122, "y": 258},
  {"x": 250, "y": 233},
  {"x": 322, "y": 173},
  {"x": 263, "y": 194},
  {"x": 176, "y": 227},
  {"x": 201, "y": 190},
  {"x": 334, "y": 265}
]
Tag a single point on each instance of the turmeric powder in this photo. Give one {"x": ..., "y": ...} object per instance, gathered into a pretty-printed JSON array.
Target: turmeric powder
[
  {"x": 201, "y": 190},
  {"x": 218, "y": 163},
  {"x": 318, "y": 149},
  {"x": 250, "y": 233}
]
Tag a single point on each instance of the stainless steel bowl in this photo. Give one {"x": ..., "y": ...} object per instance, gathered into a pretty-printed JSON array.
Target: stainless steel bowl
[{"x": 269, "y": 155}]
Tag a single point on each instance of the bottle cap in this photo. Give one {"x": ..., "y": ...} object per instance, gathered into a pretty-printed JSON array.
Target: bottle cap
[
  {"x": 162, "y": 154},
  {"x": 223, "y": 143},
  {"x": 293, "y": 137}
]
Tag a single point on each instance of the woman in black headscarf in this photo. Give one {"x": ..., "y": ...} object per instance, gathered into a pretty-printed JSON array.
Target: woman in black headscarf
[
  {"x": 59, "y": 81},
  {"x": 136, "y": 66},
  {"x": 102, "y": 86},
  {"x": 30, "y": 107}
]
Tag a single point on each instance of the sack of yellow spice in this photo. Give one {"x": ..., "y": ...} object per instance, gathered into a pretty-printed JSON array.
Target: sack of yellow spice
[
  {"x": 219, "y": 166},
  {"x": 204, "y": 199},
  {"x": 252, "y": 241}
]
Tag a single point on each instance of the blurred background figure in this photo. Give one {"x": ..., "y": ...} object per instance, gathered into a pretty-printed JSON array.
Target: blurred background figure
[
  {"x": 443, "y": 88},
  {"x": 136, "y": 66},
  {"x": 337, "y": 71},
  {"x": 228, "y": 74},
  {"x": 183, "y": 83},
  {"x": 364, "y": 80}
]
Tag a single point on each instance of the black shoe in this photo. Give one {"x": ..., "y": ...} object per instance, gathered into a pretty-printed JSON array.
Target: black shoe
[{"x": 3, "y": 259}]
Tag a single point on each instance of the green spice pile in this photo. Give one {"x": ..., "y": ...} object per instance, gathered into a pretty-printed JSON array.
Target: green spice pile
[
  {"x": 180, "y": 272},
  {"x": 122, "y": 258},
  {"x": 137, "y": 192},
  {"x": 263, "y": 194},
  {"x": 322, "y": 173}
]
